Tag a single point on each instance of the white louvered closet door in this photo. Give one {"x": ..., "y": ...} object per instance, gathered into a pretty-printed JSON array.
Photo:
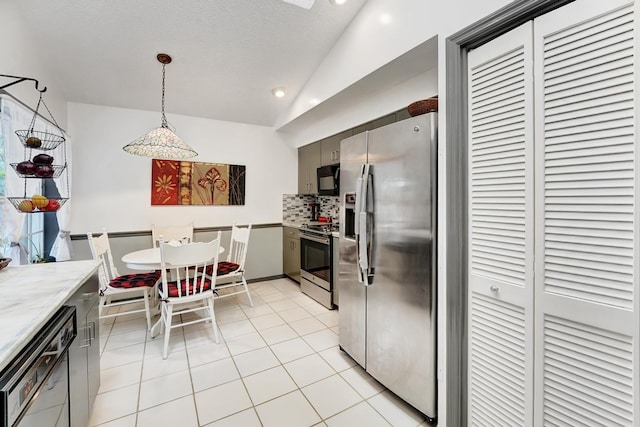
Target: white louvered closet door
[
  {"x": 586, "y": 308},
  {"x": 500, "y": 380}
]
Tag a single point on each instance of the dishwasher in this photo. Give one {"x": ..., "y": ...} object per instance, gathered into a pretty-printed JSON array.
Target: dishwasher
[{"x": 34, "y": 388}]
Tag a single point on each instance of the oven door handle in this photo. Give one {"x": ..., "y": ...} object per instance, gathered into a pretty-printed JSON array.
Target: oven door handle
[{"x": 315, "y": 239}]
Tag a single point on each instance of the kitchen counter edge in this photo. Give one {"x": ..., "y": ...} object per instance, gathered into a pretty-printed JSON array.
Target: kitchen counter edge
[{"x": 30, "y": 295}]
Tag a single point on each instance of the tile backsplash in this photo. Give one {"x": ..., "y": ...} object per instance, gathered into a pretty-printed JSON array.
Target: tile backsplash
[
  {"x": 330, "y": 207},
  {"x": 295, "y": 207}
]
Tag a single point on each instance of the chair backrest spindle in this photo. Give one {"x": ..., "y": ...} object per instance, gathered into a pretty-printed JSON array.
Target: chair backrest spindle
[
  {"x": 239, "y": 243},
  {"x": 101, "y": 250},
  {"x": 180, "y": 233},
  {"x": 186, "y": 263}
]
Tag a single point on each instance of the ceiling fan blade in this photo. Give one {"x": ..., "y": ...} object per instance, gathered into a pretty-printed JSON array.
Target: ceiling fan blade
[{"x": 305, "y": 4}]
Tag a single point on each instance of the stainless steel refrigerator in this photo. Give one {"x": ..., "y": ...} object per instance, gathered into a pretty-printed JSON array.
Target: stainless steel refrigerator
[{"x": 387, "y": 271}]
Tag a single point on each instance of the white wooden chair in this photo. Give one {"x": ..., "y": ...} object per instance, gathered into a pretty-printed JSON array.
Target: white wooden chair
[
  {"x": 230, "y": 273},
  {"x": 130, "y": 288},
  {"x": 181, "y": 233},
  {"x": 181, "y": 291}
]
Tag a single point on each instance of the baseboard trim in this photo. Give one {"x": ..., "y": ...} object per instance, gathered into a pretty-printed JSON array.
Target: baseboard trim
[{"x": 264, "y": 279}]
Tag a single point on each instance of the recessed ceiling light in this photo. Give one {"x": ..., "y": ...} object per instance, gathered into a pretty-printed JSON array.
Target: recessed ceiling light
[
  {"x": 279, "y": 92},
  {"x": 338, "y": 2}
]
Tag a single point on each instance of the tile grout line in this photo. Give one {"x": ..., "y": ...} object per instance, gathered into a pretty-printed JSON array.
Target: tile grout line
[{"x": 284, "y": 299}]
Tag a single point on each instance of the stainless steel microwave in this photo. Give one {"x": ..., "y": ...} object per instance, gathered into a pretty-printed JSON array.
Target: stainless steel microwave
[{"x": 329, "y": 180}]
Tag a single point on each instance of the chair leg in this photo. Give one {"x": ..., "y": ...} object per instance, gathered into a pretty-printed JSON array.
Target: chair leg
[
  {"x": 246, "y": 289},
  {"x": 167, "y": 328},
  {"x": 214, "y": 324},
  {"x": 147, "y": 295},
  {"x": 159, "y": 324}
]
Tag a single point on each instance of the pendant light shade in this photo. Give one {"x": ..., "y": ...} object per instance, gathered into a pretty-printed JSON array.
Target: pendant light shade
[{"x": 162, "y": 142}]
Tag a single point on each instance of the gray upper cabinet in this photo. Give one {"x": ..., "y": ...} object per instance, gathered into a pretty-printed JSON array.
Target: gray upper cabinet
[
  {"x": 309, "y": 160},
  {"x": 385, "y": 120},
  {"x": 402, "y": 114},
  {"x": 330, "y": 148},
  {"x": 327, "y": 151},
  {"x": 382, "y": 121}
]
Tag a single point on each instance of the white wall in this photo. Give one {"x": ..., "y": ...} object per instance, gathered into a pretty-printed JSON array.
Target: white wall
[
  {"x": 19, "y": 56},
  {"x": 382, "y": 31},
  {"x": 111, "y": 188},
  {"x": 373, "y": 97}
]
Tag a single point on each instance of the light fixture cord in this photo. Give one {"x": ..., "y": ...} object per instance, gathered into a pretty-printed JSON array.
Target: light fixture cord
[{"x": 164, "y": 118}]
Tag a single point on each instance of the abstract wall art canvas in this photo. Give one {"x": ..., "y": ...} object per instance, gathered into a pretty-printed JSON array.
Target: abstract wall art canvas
[{"x": 176, "y": 182}]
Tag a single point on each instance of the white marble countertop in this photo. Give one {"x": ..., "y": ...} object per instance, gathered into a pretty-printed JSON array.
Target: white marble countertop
[{"x": 30, "y": 295}]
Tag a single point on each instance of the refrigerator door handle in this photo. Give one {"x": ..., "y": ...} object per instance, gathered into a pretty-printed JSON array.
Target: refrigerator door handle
[
  {"x": 370, "y": 231},
  {"x": 363, "y": 241},
  {"x": 363, "y": 262},
  {"x": 358, "y": 206},
  {"x": 356, "y": 225}
]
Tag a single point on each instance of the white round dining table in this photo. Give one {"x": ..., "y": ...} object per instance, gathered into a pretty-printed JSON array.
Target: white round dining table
[{"x": 145, "y": 259}]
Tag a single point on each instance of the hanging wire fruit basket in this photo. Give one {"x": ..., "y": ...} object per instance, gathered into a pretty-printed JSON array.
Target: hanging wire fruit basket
[
  {"x": 41, "y": 165},
  {"x": 37, "y": 204},
  {"x": 54, "y": 172},
  {"x": 40, "y": 140}
]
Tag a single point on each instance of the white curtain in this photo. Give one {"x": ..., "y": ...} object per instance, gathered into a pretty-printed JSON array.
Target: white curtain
[
  {"x": 61, "y": 249},
  {"x": 14, "y": 116}
]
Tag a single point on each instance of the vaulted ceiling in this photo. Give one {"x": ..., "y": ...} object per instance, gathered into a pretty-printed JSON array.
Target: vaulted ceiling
[{"x": 227, "y": 54}]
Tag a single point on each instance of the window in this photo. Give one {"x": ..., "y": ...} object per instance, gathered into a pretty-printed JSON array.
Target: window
[{"x": 31, "y": 239}]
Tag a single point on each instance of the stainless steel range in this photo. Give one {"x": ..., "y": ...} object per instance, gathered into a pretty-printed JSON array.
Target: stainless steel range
[{"x": 316, "y": 263}]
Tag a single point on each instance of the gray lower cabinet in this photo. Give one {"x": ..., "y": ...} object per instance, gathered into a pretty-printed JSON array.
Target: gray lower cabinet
[
  {"x": 291, "y": 253},
  {"x": 84, "y": 353}
]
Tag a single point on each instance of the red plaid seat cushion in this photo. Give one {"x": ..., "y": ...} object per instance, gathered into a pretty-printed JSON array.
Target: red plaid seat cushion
[
  {"x": 138, "y": 280},
  {"x": 173, "y": 287},
  {"x": 224, "y": 267}
]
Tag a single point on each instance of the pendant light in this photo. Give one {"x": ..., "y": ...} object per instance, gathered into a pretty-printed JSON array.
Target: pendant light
[{"x": 162, "y": 142}]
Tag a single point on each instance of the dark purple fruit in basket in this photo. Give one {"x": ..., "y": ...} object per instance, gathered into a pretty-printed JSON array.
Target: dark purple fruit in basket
[
  {"x": 42, "y": 159},
  {"x": 44, "y": 171},
  {"x": 26, "y": 168},
  {"x": 33, "y": 142}
]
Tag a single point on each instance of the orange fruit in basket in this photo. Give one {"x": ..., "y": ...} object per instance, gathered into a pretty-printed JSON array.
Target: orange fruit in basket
[
  {"x": 26, "y": 206},
  {"x": 39, "y": 201}
]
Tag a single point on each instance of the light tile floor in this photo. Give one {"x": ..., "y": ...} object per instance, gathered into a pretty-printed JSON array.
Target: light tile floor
[{"x": 278, "y": 364}]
